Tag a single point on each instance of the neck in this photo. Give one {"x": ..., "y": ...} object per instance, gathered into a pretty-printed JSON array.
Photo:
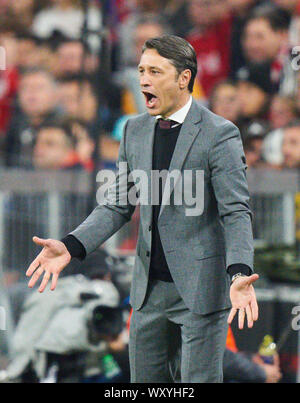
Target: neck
[{"x": 183, "y": 101}]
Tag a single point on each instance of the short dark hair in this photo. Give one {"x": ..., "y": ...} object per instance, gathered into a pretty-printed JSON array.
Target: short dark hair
[
  {"x": 62, "y": 125},
  {"x": 179, "y": 51},
  {"x": 278, "y": 19}
]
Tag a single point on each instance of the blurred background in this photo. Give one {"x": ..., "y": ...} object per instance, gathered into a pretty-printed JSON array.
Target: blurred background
[{"x": 70, "y": 83}]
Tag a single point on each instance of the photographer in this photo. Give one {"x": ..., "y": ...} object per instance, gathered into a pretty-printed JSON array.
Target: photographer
[{"x": 72, "y": 337}]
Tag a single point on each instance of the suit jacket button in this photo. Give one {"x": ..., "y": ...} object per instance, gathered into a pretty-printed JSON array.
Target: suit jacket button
[
  {"x": 150, "y": 228},
  {"x": 148, "y": 253}
]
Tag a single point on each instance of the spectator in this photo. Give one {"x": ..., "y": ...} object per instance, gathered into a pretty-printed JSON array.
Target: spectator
[
  {"x": 253, "y": 93},
  {"x": 224, "y": 101},
  {"x": 85, "y": 145},
  {"x": 177, "y": 17},
  {"x": 54, "y": 148},
  {"x": 240, "y": 367},
  {"x": 240, "y": 11},
  {"x": 27, "y": 50},
  {"x": 282, "y": 111},
  {"x": 292, "y": 8},
  {"x": 210, "y": 37},
  {"x": 265, "y": 43},
  {"x": 291, "y": 145},
  {"x": 253, "y": 137},
  {"x": 289, "y": 80},
  {"x": 9, "y": 76},
  {"x": 78, "y": 98},
  {"x": 126, "y": 30},
  {"x": 37, "y": 105},
  {"x": 73, "y": 57}
]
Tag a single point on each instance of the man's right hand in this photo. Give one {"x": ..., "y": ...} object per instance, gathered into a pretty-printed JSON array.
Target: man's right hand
[{"x": 53, "y": 258}]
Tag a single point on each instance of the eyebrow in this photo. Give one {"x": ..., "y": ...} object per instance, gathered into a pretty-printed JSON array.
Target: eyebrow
[{"x": 150, "y": 67}]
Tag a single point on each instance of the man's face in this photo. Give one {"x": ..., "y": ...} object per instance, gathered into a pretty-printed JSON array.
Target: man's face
[
  {"x": 251, "y": 98},
  {"x": 70, "y": 57},
  {"x": 226, "y": 102},
  {"x": 165, "y": 91},
  {"x": 78, "y": 100},
  {"x": 201, "y": 12},
  {"x": 253, "y": 153},
  {"x": 144, "y": 32},
  {"x": 260, "y": 42},
  {"x": 291, "y": 147},
  {"x": 281, "y": 113},
  {"x": 51, "y": 149},
  {"x": 37, "y": 94}
]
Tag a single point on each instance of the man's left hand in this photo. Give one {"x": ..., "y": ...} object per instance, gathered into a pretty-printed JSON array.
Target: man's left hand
[{"x": 243, "y": 300}]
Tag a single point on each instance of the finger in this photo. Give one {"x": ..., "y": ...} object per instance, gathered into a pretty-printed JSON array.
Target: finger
[
  {"x": 254, "y": 308},
  {"x": 241, "y": 318},
  {"x": 44, "y": 282},
  {"x": 34, "y": 265},
  {"x": 251, "y": 279},
  {"x": 231, "y": 315},
  {"x": 249, "y": 316},
  {"x": 35, "y": 277},
  {"x": 40, "y": 241},
  {"x": 54, "y": 281}
]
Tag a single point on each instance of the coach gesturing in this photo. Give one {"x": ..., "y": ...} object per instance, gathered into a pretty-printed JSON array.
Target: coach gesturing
[{"x": 189, "y": 269}]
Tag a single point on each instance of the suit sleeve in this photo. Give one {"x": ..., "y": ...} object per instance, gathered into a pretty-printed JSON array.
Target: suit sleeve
[
  {"x": 228, "y": 177},
  {"x": 113, "y": 211}
]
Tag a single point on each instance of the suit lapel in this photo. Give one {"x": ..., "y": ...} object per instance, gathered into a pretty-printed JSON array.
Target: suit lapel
[
  {"x": 189, "y": 131},
  {"x": 146, "y": 161},
  {"x": 187, "y": 135}
]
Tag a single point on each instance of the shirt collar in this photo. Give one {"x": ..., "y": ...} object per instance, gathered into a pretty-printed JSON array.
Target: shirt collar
[{"x": 180, "y": 115}]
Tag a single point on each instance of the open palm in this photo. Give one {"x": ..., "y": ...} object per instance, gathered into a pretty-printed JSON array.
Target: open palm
[
  {"x": 53, "y": 258},
  {"x": 243, "y": 300}
]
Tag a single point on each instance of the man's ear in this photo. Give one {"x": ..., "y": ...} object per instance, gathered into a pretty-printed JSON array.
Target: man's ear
[{"x": 184, "y": 79}]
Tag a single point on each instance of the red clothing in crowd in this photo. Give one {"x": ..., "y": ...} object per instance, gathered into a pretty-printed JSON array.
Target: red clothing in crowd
[
  {"x": 213, "y": 53},
  {"x": 123, "y": 9},
  {"x": 8, "y": 88}
]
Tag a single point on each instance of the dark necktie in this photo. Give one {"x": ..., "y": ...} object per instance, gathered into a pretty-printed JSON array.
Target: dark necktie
[{"x": 166, "y": 124}]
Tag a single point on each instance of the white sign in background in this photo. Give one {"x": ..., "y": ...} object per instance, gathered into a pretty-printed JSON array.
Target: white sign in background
[
  {"x": 2, "y": 58},
  {"x": 2, "y": 318}
]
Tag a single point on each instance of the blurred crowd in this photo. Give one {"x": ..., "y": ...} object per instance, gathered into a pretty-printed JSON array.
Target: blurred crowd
[{"x": 71, "y": 80}]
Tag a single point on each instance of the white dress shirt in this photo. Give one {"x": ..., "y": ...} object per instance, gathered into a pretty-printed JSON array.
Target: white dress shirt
[{"x": 180, "y": 115}]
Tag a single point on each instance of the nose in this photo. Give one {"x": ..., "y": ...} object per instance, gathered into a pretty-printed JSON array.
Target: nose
[{"x": 144, "y": 80}]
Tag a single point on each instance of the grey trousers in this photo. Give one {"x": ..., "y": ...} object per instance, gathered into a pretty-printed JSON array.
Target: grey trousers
[{"x": 165, "y": 333}]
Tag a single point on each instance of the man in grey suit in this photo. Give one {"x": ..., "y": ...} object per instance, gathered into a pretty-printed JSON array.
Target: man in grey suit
[{"x": 191, "y": 264}]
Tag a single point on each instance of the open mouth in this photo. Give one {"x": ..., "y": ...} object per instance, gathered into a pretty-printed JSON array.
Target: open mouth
[{"x": 150, "y": 98}]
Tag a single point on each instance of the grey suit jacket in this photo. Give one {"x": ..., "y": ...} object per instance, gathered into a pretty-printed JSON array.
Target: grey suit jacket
[{"x": 198, "y": 249}]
